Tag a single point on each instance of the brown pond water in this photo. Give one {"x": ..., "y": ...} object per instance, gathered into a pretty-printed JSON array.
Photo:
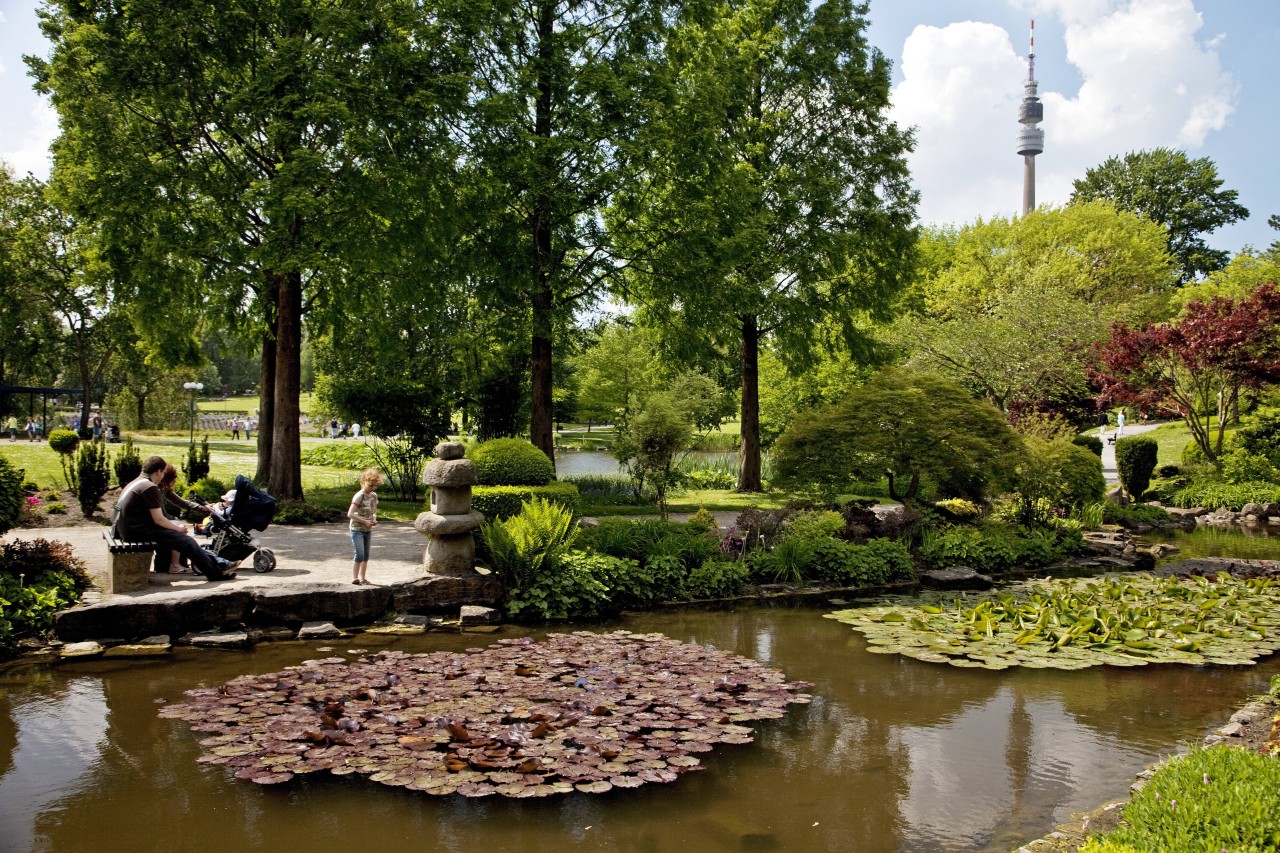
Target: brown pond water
[{"x": 892, "y": 755}]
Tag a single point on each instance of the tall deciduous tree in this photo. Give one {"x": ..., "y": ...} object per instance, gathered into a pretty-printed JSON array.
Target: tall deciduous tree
[
  {"x": 1182, "y": 194},
  {"x": 776, "y": 202},
  {"x": 560, "y": 85},
  {"x": 1198, "y": 363},
  {"x": 30, "y": 336},
  {"x": 244, "y": 158}
]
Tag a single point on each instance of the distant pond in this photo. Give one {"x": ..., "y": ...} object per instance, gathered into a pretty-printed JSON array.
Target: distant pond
[
  {"x": 584, "y": 463},
  {"x": 1252, "y": 542}
]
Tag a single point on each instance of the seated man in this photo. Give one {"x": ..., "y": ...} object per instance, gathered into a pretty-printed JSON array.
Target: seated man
[{"x": 140, "y": 518}]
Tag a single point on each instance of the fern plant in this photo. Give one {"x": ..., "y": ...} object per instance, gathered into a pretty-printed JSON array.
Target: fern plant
[{"x": 523, "y": 546}]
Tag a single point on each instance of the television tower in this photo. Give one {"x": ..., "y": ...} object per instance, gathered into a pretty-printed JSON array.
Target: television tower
[{"x": 1030, "y": 137}]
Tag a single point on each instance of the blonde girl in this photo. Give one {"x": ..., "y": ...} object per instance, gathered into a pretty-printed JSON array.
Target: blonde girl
[{"x": 363, "y": 515}]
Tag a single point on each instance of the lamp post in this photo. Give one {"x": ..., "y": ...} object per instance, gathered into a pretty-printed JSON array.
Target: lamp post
[{"x": 194, "y": 388}]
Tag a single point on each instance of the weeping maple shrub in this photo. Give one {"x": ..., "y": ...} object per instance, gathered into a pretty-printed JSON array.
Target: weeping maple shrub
[{"x": 1195, "y": 365}]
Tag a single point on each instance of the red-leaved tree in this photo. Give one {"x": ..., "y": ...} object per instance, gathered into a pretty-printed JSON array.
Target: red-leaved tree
[{"x": 1197, "y": 364}]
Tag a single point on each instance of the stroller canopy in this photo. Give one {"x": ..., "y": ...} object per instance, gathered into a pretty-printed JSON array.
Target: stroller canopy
[{"x": 253, "y": 508}]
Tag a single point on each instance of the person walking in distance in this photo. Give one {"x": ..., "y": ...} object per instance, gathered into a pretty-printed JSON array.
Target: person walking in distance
[
  {"x": 1120, "y": 423},
  {"x": 363, "y": 515}
]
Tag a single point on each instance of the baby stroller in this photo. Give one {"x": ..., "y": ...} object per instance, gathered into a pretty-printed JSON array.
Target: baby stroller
[{"x": 250, "y": 509}]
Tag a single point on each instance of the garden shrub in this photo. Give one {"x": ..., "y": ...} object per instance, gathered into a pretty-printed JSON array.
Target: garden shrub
[
  {"x": 352, "y": 455},
  {"x": 1242, "y": 466},
  {"x": 814, "y": 522},
  {"x": 1213, "y": 799},
  {"x": 64, "y": 441},
  {"x": 505, "y": 501},
  {"x": 511, "y": 462},
  {"x": 645, "y": 539},
  {"x": 959, "y": 509},
  {"x": 1135, "y": 460},
  {"x": 1193, "y": 455},
  {"x": 55, "y": 508},
  {"x": 209, "y": 490},
  {"x": 705, "y": 519},
  {"x": 1055, "y": 476},
  {"x": 716, "y": 579},
  {"x": 600, "y": 490},
  {"x": 1089, "y": 442},
  {"x": 791, "y": 560},
  {"x": 1232, "y": 496},
  {"x": 37, "y": 579},
  {"x": 1163, "y": 489},
  {"x": 302, "y": 513},
  {"x": 1168, "y": 471},
  {"x": 896, "y": 558},
  {"x": 93, "y": 476},
  {"x": 989, "y": 548},
  {"x": 528, "y": 554},
  {"x": 1132, "y": 516},
  {"x": 128, "y": 464},
  {"x": 12, "y": 496},
  {"x": 196, "y": 465}
]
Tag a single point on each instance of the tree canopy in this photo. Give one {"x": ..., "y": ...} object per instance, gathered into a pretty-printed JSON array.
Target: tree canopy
[{"x": 1182, "y": 194}]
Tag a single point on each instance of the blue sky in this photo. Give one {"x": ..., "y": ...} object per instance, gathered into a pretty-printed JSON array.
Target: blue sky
[{"x": 1115, "y": 76}]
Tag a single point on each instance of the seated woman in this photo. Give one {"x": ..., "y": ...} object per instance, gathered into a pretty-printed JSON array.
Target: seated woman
[{"x": 173, "y": 506}]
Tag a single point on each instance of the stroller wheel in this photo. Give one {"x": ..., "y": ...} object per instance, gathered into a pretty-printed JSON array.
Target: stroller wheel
[{"x": 264, "y": 560}]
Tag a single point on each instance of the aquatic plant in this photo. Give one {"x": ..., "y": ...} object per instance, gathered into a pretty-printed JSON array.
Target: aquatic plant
[
  {"x": 576, "y": 712},
  {"x": 1082, "y": 622}
]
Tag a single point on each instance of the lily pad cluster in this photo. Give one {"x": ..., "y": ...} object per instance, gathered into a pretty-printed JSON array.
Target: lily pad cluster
[
  {"x": 577, "y": 712},
  {"x": 1078, "y": 623}
]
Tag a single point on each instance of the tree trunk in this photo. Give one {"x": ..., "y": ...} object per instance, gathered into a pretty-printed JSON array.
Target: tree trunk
[
  {"x": 540, "y": 432},
  {"x": 142, "y": 411},
  {"x": 749, "y": 450},
  {"x": 284, "y": 479},
  {"x": 265, "y": 409}
]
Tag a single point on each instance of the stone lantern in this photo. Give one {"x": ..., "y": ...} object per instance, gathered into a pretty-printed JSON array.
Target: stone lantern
[{"x": 451, "y": 549}]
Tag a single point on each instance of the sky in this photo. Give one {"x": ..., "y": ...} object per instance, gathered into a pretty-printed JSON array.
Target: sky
[{"x": 1115, "y": 76}]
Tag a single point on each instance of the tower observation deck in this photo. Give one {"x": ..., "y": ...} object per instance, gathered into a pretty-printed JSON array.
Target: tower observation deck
[{"x": 1030, "y": 137}]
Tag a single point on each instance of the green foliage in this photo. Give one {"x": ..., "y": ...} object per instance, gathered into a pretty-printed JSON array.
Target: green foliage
[
  {"x": 575, "y": 589},
  {"x": 301, "y": 513},
  {"x": 352, "y": 455},
  {"x": 497, "y": 502},
  {"x": 402, "y": 459},
  {"x": 716, "y": 579},
  {"x": 55, "y": 508},
  {"x": 12, "y": 496},
  {"x": 1163, "y": 489},
  {"x": 993, "y": 548},
  {"x": 1135, "y": 460},
  {"x": 196, "y": 465},
  {"x": 1233, "y": 496},
  {"x": 93, "y": 475},
  {"x": 959, "y": 509},
  {"x": 645, "y": 539},
  {"x": 1242, "y": 466},
  {"x": 1193, "y": 454},
  {"x": 600, "y": 490},
  {"x": 907, "y": 424},
  {"x": 1133, "y": 515},
  {"x": 128, "y": 463},
  {"x": 525, "y": 553},
  {"x": 822, "y": 558},
  {"x": 511, "y": 462},
  {"x": 699, "y": 473},
  {"x": 209, "y": 489},
  {"x": 1053, "y": 476},
  {"x": 1089, "y": 442},
  {"x": 705, "y": 519},
  {"x": 1181, "y": 194},
  {"x": 1213, "y": 799},
  {"x": 814, "y": 522},
  {"x": 648, "y": 444},
  {"x": 37, "y": 579},
  {"x": 64, "y": 441}
]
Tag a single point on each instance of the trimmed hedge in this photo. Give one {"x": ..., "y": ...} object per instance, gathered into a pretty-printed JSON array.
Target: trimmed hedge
[
  {"x": 63, "y": 441},
  {"x": 1135, "y": 460},
  {"x": 511, "y": 462},
  {"x": 1089, "y": 442},
  {"x": 505, "y": 501}
]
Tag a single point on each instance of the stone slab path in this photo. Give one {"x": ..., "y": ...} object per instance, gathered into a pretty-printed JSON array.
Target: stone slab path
[{"x": 317, "y": 554}]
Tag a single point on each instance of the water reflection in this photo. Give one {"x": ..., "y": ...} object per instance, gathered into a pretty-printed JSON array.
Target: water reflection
[{"x": 892, "y": 755}]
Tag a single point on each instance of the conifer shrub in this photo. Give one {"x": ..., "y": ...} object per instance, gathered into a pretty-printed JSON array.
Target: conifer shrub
[
  {"x": 63, "y": 441},
  {"x": 93, "y": 475},
  {"x": 12, "y": 496},
  {"x": 128, "y": 464},
  {"x": 1135, "y": 460}
]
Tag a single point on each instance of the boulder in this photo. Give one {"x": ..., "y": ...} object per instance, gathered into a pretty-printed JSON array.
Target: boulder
[
  {"x": 345, "y": 605},
  {"x": 173, "y": 613},
  {"x": 450, "y": 450},
  {"x": 446, "y": 594},
  {"x": 1118, "y": 497},
  {"x": 87, "y": 649},
  {"x": 219, "y": 639},
  {"x": 956, "y": 577},
  {"x": 472, "y": 614},
  {"x": 319, "y": 631},
  {"x": 1254, "y": 509}
]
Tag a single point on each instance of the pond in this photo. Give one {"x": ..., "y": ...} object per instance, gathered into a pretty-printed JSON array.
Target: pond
[
  {"x": 892, "y": 755},
  {"x": 1253, "y": 542},
  {"x": 581, "y": 463}
]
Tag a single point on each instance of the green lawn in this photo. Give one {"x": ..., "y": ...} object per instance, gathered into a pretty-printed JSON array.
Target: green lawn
[{"x": 246, "y": 404}]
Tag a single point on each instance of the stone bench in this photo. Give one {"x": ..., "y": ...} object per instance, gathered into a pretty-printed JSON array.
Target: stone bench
[{"x": 128, "y": 564}]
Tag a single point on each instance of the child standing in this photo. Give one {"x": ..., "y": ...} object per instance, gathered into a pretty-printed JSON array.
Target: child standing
[{"x": 363, "y": 513}]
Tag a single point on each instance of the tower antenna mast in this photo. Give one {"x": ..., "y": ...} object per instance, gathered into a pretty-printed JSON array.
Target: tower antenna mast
[{"x": 1030, "y": 137}]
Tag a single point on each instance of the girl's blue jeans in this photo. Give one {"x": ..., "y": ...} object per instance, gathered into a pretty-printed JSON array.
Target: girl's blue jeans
[{"x": 360, "y": 543}]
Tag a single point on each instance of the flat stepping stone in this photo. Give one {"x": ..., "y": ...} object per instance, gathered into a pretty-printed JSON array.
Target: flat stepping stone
[
  {"x": 319, "y": 631},
  {"x": 87, "y": 649},
  {"x": 224, "y": 640}
]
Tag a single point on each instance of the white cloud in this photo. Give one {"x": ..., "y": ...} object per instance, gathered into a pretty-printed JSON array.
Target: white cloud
[
  {"x": 28, "y": 150},
  {"x": 1148, "y": 81}
]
